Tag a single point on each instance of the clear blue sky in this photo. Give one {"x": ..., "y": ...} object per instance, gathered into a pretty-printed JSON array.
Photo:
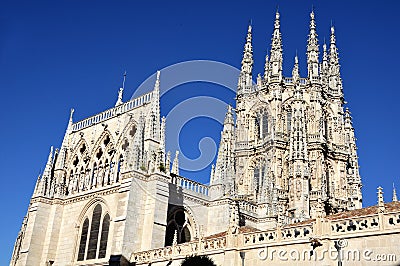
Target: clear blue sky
[{"x": 55, "y": 55}]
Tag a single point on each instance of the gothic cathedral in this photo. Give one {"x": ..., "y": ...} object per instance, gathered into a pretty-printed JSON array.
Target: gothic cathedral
[{"x": 287, "y": 155}]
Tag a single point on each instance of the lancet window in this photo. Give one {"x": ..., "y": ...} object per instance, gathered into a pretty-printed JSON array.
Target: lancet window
[
  {"x": 94, "y": 236},
  {"x": 261, "y": 123},
  {"x": 288, "y": 121}
]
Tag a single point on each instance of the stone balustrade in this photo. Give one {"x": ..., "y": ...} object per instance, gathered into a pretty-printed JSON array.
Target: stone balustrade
[
  {"x": 248, "y": 206},
  {"x": 242, "y": 145},
  {"x": 188, "y": 184},
  {"x": 297, "y": 232},
  {"x": 345, "y": 226},
  {"x": 180, "y": 250},
  {"x": 314, "y": 136},
  {"x": 110, "y": 113},
  {"x": 251, "y": 239},
  {"x": 365, "y": 223},
  {"x": 330, "y": 228},
  {"x": 282, "y": 194},
  {"x": 314, "y": 195},
  {"x": 288, "y": 80}
]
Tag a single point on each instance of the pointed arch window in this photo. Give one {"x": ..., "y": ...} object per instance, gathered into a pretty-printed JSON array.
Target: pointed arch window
[
  {"x": 119, "y": 166},
  {"x": 264, "y": 123},
  {"x": 94, "y": 176},
  {"x": 93, "y": 241},
  {"x": 82, "y": 244},
  {"x": 258, "y": 127},
  {"x": 256, "y": 178},
  {"x": 104, "y": 236},
  {"x": 289, "y": 121},
  {"x": 261, "y": 123},
  {"x": 94, "y": 233}
]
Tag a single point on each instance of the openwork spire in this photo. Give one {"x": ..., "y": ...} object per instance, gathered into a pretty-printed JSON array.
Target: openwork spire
[
  {"x": 312, "y": 36},
  {"x": 394, "y": 198},
  {"x": 49, "y": 164},
  {"x": 266, "y": 67},
  {"x": 276, "y": 50},
  {"x": 348, "y": 119},
  {"x": 381, "y": 203},
  {"x": 335, "y": 82},
  {"x": 312, "y": 49},
  {"x": 325, "y": 64},
  {"x": 229, "y": 116},
  {"x": 153, "y": 120},
  {"x": 64, "y": 146},
  {"x": 119, "y": 99},
  {"x": 333, "y": 54},
  {"x": 295, "y": 71},
  {"x": 245, "y": 78},
  {"x": 168, "y": 163},
  {"x": 175, "y": 164},
  {"x": 224, "y": 170},
  {"x": 47, "y": 174},
  {"x": 156, "y": 94}
]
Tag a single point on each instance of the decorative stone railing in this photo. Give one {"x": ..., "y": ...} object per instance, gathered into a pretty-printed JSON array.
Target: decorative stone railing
[
  {"x": 346, "y": 226},
  {"x": 248, "y": 206},
  {"x": 314, "y": 136},
  {"x": 242, "y": 145},
  {"x": 297, "y": 232},
  {"x": 180, "y": 251},
  {"x": 278, "y": 234},
  {"x": 314, "y": 195},
  {"x": 110, "y": 113},
  {"x": 188, "y": 184},
  {"x": 316, "y": 79},
  {"x": 282, "y": 194},
  {"x": 250, "y": 239},
  {"x": 392, "y": 220},
  {"x": 366, "y": 223},
  {"x": 274, "y": 79},
  {"x": 251, "y": 88},
  {"x": 287, "y": 80}
]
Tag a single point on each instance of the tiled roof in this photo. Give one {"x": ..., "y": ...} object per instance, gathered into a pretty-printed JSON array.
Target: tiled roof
[
  {"x": 389, "y": 207},
  {"x": 242, "y": 229}
]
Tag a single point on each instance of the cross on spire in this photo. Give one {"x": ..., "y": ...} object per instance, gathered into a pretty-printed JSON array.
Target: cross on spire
[{"x": 123, "y": 81}]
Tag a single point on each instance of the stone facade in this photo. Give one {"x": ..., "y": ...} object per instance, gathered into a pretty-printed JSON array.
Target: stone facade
[
  {"x": 286, "y": 165},
  {"x": 292, "y": 149}
]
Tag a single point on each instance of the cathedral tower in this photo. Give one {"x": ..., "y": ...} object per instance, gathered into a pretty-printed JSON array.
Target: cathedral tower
[{"x": 293, "y": 148}]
